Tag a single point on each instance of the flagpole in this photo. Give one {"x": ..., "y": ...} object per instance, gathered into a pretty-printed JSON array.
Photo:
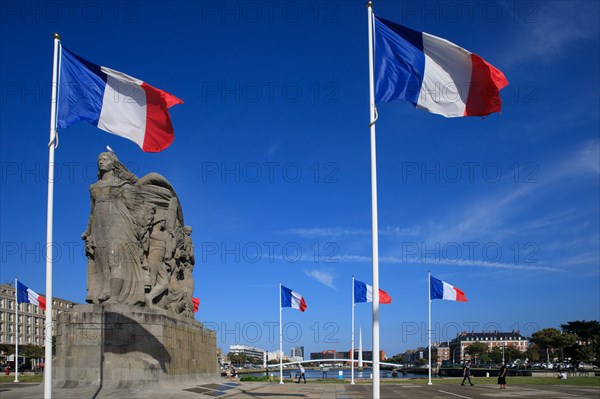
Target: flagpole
[
  {"x": 16, "y": 331},
  {"x": 352, "y": 353},
  {"x": 429, "y": 320},
  {"x": 374, "y": 232},
  {"x": 49, "y": 255},
  {"x": 280, "y": 341}
]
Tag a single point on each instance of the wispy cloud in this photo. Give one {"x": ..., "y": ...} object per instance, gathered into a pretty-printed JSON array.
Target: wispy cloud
[
  {"x": 323, "y": 277},
  {"x": 408, "y": 261},
  {"x": 550, "y": 28}
]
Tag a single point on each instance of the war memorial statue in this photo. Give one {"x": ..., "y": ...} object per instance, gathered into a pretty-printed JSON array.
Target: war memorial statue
[
  {"x": 138, "y": 327},
  {"x": 139, "y": 252}
]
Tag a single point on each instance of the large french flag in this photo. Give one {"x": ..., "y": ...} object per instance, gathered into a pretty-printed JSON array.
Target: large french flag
[
  {"x": 292, "y": 299},
  {"x": 363, "y": 292},
  {"x": 27, "y": 295},
  {"x": 442, "y": 290},
  {"x": 433, "y": 73},
  {"x": 114, "y": 102}
]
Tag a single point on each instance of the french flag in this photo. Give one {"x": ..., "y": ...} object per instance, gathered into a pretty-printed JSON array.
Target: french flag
[
  {"x": 364, "y": 293},
  {"x": 292, "y": 299},
  {"x": 114, "y": 102},
  {"x": 442, "y": 290},
  {"x": 433, "y": 73},
  {"x": 27, "y": 295}
]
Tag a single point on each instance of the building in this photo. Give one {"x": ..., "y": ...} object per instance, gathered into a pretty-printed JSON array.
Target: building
[
  {"x": 492, "y": 339},
  {"x": 253, "y": 354},
  {"x": 443, "y": 353},
  {"x": 31, "y": 318},
  {"x": 297, "y": 352}
]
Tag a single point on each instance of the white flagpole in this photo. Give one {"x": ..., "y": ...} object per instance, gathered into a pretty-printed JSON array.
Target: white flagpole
[
  {"x": 360, "y": 361},
  {"x": 49, "y": 255},
  {"x": 429, "y": 320},
  {"x": 280, "y": 341},
  {"x": 16, "y": 332},
  {"x": 352, "y": 353},
  {"x": 374, "y": 232}
]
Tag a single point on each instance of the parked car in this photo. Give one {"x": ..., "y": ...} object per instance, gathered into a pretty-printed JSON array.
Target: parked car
[{"x": 586, "y": 367}]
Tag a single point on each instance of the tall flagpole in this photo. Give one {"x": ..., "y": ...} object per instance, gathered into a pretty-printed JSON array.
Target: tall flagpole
[
  {"x": 429, "y": 320},
  {"x": 16, "y": 331},
  {"x": 280, "y": 341},
  {"x": 49, "y": 255},
  {"x": 374, "y": 232},
  {"x": 352, "y": 353}
]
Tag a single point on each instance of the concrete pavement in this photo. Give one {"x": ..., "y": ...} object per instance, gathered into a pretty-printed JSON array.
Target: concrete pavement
[{"x": 263, "y": 390}]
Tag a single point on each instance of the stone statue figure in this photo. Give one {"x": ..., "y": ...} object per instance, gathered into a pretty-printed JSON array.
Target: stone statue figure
[{"x": 138, "y": 252}]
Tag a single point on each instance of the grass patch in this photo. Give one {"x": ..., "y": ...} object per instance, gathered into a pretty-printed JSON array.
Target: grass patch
[
  {"x": 265, "y": 378},
  {"x": 22, "y": 378}
]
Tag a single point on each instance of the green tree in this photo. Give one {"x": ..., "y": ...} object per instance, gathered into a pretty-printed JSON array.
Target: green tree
[
  {"x": 496, "y": 354},
  {"x": 237, "y": 359},
  {"x": 588, "y": 335},
  {"x": 476, "y": 349},
  {"x": 586, "y": 331},
  {"x": 533, "y": 353}
]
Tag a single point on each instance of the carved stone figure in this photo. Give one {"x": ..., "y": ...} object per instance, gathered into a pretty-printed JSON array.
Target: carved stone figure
[{"x": 138, "y": 253}]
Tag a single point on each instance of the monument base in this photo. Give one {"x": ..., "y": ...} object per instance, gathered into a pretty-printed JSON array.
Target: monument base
[{"x": 113, "y": 346}]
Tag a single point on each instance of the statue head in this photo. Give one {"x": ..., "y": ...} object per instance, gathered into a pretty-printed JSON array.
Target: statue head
[
  {"x": 187, "y": 230},
  {"x": 108, "y": 161}
]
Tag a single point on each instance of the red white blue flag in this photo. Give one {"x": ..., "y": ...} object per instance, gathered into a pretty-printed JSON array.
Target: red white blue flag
[
  {"x": 442, "y": 290},
  {"x": 433, "y": 73},
  {"x": 114, "y": 102},
  {"x": 364, "y": 293},
  {"x": 292, "y": 299},
  {"x": 27, "y": 295}
]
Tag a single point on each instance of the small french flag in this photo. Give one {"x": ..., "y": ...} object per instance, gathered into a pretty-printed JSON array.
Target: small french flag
[
  {"x": 27, "y": 295},
  {"x": 442, "y": 290},
  {"x": 292, "y": 299},
  {"x": 114, "y": 102},
  {"x": 363, "y": 292}
]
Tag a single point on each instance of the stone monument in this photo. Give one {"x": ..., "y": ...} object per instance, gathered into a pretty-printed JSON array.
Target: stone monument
[{"x": 139, "y": 326}]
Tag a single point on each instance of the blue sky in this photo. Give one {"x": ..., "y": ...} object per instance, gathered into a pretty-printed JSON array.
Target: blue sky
[{"x": 271, "y": 162}]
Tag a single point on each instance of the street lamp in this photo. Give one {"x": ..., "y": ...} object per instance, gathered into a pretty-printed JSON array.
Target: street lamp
[{"x": 503, "y": 345}]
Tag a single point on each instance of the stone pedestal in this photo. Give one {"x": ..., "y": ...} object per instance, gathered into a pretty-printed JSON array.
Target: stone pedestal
[{"x": 120, "y": 346}]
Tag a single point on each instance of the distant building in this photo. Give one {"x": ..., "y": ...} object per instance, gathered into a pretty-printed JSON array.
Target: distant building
[
  {"x": 31, "y": 318},
  {"x": 297, "y": 352},
  {"x": 443, "y": 353},
  {"x": 492, "y": 339},
  {"x": 252, "y": 353}
]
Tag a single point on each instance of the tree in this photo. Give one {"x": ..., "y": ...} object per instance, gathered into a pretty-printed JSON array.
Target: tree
[
  {"x": 238, "y": 359},
  {"x": 586, "y": 331},
  {"x": 551, "y": 339},
  {"x": 533, "y": 353},
  {"x": 477, "y": 349},
  {"x": 588, "y": 335},
  {"x": 496, "y": 354}
]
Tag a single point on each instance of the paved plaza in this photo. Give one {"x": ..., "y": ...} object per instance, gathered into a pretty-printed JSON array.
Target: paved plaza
[{"x": 261, "y": 390}]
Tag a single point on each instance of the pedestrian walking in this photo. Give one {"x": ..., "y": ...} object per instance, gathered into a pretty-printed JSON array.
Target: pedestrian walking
[
  {"x": 301, "y": 376},
  {"x": 467, "y": 374}
]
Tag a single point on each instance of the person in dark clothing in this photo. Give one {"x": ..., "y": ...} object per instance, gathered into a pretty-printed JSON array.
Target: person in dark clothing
[
  {"x": 502, "y": 376},
  {"x": 467, "y": 374},
  {"x": 301, "y": 376}
]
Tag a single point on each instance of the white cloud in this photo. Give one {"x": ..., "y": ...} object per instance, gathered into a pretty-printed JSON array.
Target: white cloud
[
  {"x": 549, "y": 29},
  {"x": 323, "y": 277}
]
